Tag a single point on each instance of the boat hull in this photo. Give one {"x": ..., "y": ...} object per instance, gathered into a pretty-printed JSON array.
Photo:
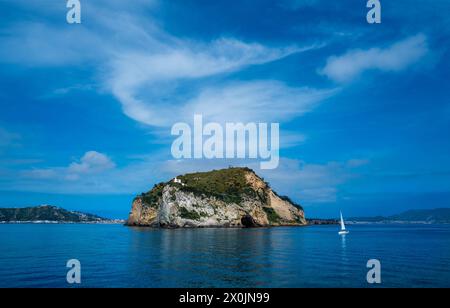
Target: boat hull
[{"x": 344, "y": 232}]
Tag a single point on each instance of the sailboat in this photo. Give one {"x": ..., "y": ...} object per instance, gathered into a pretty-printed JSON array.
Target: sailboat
[{"x": 343, "y": 231}]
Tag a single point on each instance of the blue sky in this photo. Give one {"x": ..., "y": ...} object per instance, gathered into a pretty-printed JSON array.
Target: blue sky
[{"x": 364, "y": 110}]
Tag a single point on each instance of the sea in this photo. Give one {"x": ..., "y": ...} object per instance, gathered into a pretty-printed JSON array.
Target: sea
[{"x": 36, "y": 255}]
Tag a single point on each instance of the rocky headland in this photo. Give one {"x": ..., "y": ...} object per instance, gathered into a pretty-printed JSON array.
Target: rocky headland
[{"x": 233, "y": 197}]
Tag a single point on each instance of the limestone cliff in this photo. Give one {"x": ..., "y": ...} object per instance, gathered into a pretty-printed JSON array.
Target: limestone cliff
[{"x": 234, "y": 197}]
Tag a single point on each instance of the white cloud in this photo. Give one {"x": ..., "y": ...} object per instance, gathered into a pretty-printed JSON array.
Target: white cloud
[
  {"x": 38, "y": 44},
  {"x": 394, "y": 58},
  {"x": 292, "y": 139},
  {"x": 158, "y": 79},
  {"x": 305, "y": 182},
  {"x": 148, "y": 84},
  {"x": 154, "y": 75},
  {"x": 261, "y": 101},
  {"x": 93, "y": 173},
  {"x": 41, "y": 174},
  {"x": 90, "y": 163}
]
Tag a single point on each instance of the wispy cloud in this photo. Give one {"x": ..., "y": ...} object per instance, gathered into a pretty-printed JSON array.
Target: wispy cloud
[
  {"x": 255, "y": 101},
  {"x": 90, "y": 163},
  {"x": 394, "y": 58},
  {"x": 156, "y": 77},
  {"x": 96, "y": 173},
  {"x": 310, "y": 182},
  {"x": 186, "y": 65}
]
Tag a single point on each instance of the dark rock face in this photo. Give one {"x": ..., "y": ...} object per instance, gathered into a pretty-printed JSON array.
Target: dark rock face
[{"x": 248, "y": 221}]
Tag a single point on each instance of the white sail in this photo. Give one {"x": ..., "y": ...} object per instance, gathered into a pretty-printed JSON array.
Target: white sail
[
  {"x": 342, "y": 231},
  {"x": 342, "y": 223}
]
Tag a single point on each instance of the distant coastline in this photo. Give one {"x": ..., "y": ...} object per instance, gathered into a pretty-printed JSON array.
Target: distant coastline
[
  {"x": 321, "y": 221},
  {"x": 420, "y": 216},
  {"x": 53, "y": 222},
  {"x": 48, "y": 214},
  {"x": 395, "y": 222}
]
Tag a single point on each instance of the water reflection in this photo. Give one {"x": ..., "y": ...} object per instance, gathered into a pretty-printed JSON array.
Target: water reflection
[
  {"x": 117, "y": 256},
  {"x": 344, "y": 249},
  {"x": 343, "y": 245},
  {"x": 206, "y": 257}
]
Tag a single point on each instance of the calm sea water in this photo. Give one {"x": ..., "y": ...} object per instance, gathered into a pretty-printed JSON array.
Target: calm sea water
[{"x": 118, "y": 256}]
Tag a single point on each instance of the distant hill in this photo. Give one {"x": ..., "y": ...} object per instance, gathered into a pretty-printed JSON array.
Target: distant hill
[
  {"x": 440, "y": 215},
  {"x": 47, "y": 213},
  {"x": 322, "y": 221}
]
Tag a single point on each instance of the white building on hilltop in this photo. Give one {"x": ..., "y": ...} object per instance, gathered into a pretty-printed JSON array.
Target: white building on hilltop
[{"x": 177, "y": 180}]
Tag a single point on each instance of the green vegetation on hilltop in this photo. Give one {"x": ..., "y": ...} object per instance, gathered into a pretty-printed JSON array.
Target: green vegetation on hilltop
[
  {"x": 228, "y": 185},
  {"x": 230, "y": 197},
  {"x": 152, "y": 197}
]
